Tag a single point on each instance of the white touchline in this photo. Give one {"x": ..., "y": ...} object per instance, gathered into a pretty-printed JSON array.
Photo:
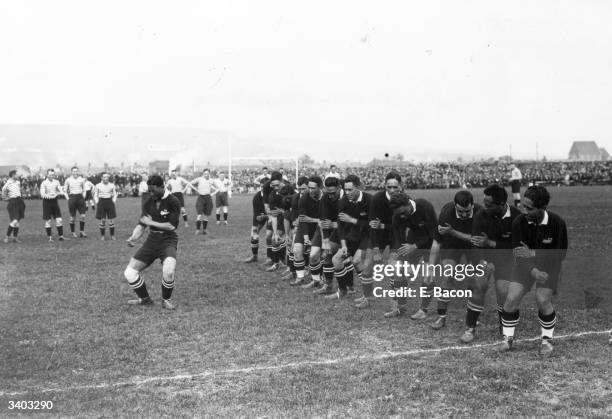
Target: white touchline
[{"x": 246, "y": 370}]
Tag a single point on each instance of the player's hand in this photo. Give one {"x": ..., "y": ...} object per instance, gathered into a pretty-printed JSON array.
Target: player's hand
[
  {"x": 540, "y": 276},
  {"x": 480, "y": 241},
  {"x": 375, "y": 224},
  {"x": 344, "y": 250},
  {"x": 406, "y": 249},
  {"x": 445, "y": 229},
  {"x": 326, "y": 224},
  {"x": 523, "y": 251},
  {"x": 131, "y": 242},
  {"x": 146, "y": 220},
  {"x": 376, "y": 255}
]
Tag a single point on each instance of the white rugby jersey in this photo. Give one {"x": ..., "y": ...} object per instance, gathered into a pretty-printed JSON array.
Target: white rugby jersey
[
  {"x": 74, "y": 186},
  {"x": 143, "y": 188},
  {"x": 11, "y": 189},
  {"x": 50, "y": 189},
  {"x": 176, "y": 185},
  {"x": 516, "y": 174},
  {"x": 88, "y": 185},
  {"x": 204, "y": 186},
  {"x": 222, "y": 185},
  {"x": 105, "y": 190}
]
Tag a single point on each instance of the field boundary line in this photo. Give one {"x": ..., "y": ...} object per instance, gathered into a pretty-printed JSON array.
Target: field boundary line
[{"x": 290, "y": 365}]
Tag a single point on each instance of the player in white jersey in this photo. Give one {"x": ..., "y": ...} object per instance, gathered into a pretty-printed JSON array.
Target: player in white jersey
[
  {"x": 50, "y": 189},
  {"x": 11, "y": 191},
  {"x": 143, "y": 188},
  {"x": 264, "y": 175},
  {"x": 515, "y": 182},
  {"x": 204, "y": 204},
  {"x": 75, "y": 188},
  {"x": 177, "y": 186},
  {"x": 89, "y": 194},
  {"x": 224, "y": 192},
  {"x": 105, "y": 196}
]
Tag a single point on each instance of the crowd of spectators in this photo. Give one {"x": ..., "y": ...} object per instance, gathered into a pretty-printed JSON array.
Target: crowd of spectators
[{"x": 414, "y": 175}]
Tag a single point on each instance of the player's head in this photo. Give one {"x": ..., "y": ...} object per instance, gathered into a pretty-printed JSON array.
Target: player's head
[
  {"x": 265, "y": 170},
  {"x": 302, "y": 185},
  {"x": 51, "y": 174},
  {"x": 333, "y": 168},
  {"x": 156, "y": 185},
  {"x": 105, "y": 177},
  {"x": 314, "y": 186},
  {"x": 400, "y": 204},
  {"x": 464, "y": 204},
  {"x": 393, "y": 183},
  {"x": 495, "y": 197},
  {"x": 75, "y": 171},
  {"x": 535, "y": 201},
  {"x": 144, "y": 176},
  {"x": 276, "y": 178},
  {"x": 332, "y": 188},
  {"x": 512, "y": 166},
  {"x": 174, "y": 174},
  {"x": 206, "y": 173},
  {"x": 221, "y": 175},
  {"x": 13, "y": 174},
  {"x": 352, "y": 187}
]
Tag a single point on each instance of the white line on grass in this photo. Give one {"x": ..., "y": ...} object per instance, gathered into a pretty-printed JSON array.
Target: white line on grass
[{"x": 247, "y": 370}]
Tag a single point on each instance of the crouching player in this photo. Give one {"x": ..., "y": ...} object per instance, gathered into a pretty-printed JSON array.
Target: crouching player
[
  {"x": 260, "y": 220},
  {"x": 161, "y": 213},
  {"x": 355, "y": 251},
  {"x": 539, "y": 239}
]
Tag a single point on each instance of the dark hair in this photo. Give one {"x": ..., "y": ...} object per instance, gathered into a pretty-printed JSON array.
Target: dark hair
[
  {"x": 12, "y": 172},
  {"x": 276, "y": 176},
  {"x": 399, "y": 200},
  {"x": 316, "y": 179},
  {"x": 393, "y": 175},
  {"x": 50, "y": 170},
  {"x": 264, "y": 168},
  {"x": 74, "y": 167},
  {"x": 155, "y": 180},
  {"x": 332, "y": 181},
  {"x": 333, "y": 165},
  {"x": 538, "y": 195},
  {"x": 206, "y": 170},
  {"x": 464, "y": 198},
  {"x": 287, "y": 190},
  {"x": 497, "y": 192},
  {"x": 302, "y": 180},
  {"x": 354, "y": 179},
  {"x": 263, "y": 180},
  {"x": 173, "y": 170}
]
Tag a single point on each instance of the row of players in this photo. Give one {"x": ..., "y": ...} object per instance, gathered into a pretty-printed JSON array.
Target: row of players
[
  {"x": 81, "y": 193},
  {"x": 340, "y": 231}
]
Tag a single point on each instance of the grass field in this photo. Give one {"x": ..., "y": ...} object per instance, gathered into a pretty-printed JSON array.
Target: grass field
[{"x": 244, "y": 343}]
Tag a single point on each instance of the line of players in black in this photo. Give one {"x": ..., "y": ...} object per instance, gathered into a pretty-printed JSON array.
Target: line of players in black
[{"x": 332, "y": 231}]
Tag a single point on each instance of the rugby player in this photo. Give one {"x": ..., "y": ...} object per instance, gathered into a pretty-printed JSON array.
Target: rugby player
[
  {"x": 539, "y": 239},
  {"x": 308, "y": 225},
  {"x": 89, "y": 194},
  {"x": 452, "y": 243},
  {"x": 291, "y": 223},
  {"x": 50, "y": 189},
  {"x": 260, "y": 220},
  {"x": 177, "y": 186},
  {"x": 204, "y": 204},
  {"x": 492, "y": 248},
  {"x": 515, "y": 182},
  {"x": 275, "y": 230},
  {"x": 75, "y": 188},
  {"x": 11, "y": 191},
  {"x": 224, "y": 188},
  {"x": 330, "y": 242},
  {"x": 414, "y": 224},
  {"x": 161, "y": 213},
  {"x": 105, "y": 196}
]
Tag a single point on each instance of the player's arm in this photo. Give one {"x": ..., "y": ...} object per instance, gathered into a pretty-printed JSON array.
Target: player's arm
[
  {"x": 434, "y": 253},
  {"x": 5, "y": 191},
  {"x": 67, "y": 186},
  {"x": 136, "y": 234},
  {"x": 115, "y": 194},
  {"x": 192, "y": 185},
  {"x": 61, "y": 191}
]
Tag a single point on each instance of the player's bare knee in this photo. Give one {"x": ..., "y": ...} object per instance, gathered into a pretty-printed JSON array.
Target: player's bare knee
[
  {"x": 131, "y": 274},
  {"x": 58, "y": 222}
]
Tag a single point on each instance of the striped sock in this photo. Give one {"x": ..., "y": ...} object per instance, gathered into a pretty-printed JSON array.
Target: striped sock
[
  {"x": 509, "y": 322},
  {"x": 443, "y": 306},
  {"x": 167, "y": 287},
  {"x": 547, "y": 323},
  {"x": 9, "y": 231},
  {"x": 473, "y": 312},
  {"x": 139, "y": 287},
  {"x": 254, "y": 246}
]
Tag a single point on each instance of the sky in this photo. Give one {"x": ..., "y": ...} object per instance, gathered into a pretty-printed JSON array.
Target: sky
[{"x": 418, "y": 78}]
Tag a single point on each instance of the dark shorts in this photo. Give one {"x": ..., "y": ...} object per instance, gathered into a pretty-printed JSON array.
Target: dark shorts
[
  {"x": 204, "y": 205},
  {"x": 523, "y": 276},
  {"x": 221, "y": 199},
  {"x": 305, "y": 229},
  {"x": 353, "y": 246},
  {"x": 384, "y": 238},
  {"x": 76, "y": 202},
  {"x": 105, "y": 209},
  {"x": 456, "y": 255},
  {"x": 280, "y": 225},
  {"x": 180, "y": 197},
  {"x": 516, "y": 186},
  {"x": 88, "y": 195},
  {"x": 51, "y": 209},
  {"x": 157, "y": 246},
  {"x": 16, "y": 209}
]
